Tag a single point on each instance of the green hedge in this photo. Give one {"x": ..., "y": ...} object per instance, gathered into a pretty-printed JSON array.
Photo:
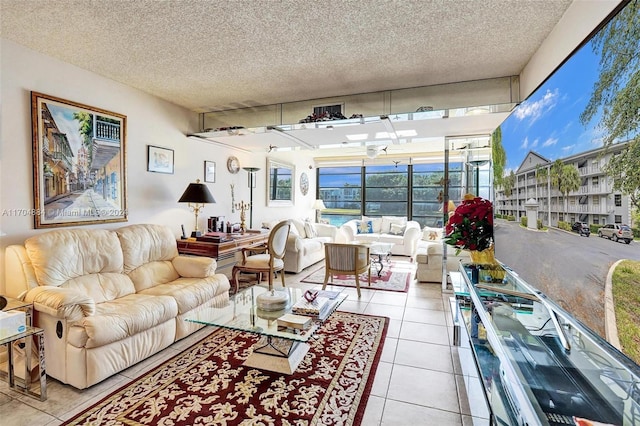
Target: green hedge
[{"x": 564, "y": 225}]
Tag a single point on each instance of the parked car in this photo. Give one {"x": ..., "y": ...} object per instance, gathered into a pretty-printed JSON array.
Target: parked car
[
  {"x": 581, "y": 228},
  {"x": 616, "y": 232}
]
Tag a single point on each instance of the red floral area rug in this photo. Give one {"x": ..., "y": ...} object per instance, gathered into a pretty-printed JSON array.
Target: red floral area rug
[
  {"x": 394, "y": 277},
  {"x": 208, "y": 385}
]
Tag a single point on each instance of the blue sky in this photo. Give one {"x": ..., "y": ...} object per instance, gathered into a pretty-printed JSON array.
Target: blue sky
[{"x": 548, "y": 122}]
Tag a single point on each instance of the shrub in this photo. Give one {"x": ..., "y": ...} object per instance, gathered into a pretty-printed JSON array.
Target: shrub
[
  {"x": 539, "y": 224},
  {"x": 564, "y": 225},
  {"x": 523, "y": 221}
]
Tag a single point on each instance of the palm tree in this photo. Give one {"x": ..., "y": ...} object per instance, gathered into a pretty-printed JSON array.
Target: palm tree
[
  {"x": 555, "y": 173},
  {"x": 570, "y": 181},
  {"x": 566, "y": 178},
  {"x": 542, "y": 176}
]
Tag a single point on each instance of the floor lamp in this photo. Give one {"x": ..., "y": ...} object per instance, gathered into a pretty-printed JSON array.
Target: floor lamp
[
  {"x": 252, "y": 184},
  {"x": 318, "y": 206}
]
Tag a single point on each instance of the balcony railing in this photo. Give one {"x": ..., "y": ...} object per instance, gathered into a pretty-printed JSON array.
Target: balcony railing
[{"x": 107, "y": 131}]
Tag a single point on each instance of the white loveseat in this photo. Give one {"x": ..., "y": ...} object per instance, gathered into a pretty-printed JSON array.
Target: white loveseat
[
  {"x": 429, "y": 258},
  {"x": 109, "y": 299},
  {"x": 387, "y": 229},
  {"x": 305, "y": 245}
]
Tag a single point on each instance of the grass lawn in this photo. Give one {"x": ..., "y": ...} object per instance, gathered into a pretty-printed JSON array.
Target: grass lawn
[{"x": 626, "y": 298}]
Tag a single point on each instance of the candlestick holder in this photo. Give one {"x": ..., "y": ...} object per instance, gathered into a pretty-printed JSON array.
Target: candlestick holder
[{"x": 242, "y": 207}]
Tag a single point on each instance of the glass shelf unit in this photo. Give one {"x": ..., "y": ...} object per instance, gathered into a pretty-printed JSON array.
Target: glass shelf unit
[{"x": 538, "y": 364}]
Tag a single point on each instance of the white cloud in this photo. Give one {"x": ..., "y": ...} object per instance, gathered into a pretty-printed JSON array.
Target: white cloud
[
  {"x": 549, "y": 142},
  {"x": 568, "y": 148},
  {"x": 534, "y": 110},
  {"x": 525, "y": 143}
]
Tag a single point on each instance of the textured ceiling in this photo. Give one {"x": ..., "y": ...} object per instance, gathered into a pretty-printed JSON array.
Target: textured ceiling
[{"x": 210, "y": 55}]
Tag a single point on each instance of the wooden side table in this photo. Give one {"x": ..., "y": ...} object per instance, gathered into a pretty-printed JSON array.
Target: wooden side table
[{"x": 31, "y": 334}]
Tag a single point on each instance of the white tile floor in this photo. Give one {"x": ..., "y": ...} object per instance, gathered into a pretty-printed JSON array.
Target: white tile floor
[{"x": 419, "y": 380}]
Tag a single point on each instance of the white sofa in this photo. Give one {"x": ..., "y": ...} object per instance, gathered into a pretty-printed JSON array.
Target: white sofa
[
  {"x": 387, "y": 229},
  {"x": 429, "y": 257},
  {"x": 108, "y": 299},
  {"x": 305, "y": 245}
]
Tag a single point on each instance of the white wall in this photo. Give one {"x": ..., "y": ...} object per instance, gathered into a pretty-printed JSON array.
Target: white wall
[{"x": 151, "y": 197}]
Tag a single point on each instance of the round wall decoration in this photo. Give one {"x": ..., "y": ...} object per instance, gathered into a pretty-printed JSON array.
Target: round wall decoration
[
  {"x": 233, "y": 165},
  {"x": 304, "y": 183}
]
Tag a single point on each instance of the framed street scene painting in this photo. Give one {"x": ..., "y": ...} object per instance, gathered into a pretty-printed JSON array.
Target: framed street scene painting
[{"x": 79, "y": 174}]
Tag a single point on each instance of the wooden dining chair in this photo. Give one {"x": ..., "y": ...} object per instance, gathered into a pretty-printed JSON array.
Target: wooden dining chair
[
  {"x": 346, "y": 259},
  {"x": 268, "y": 259}
]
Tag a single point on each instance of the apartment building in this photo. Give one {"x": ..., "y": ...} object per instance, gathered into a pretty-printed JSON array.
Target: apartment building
[{"x": 595, "y": 202}]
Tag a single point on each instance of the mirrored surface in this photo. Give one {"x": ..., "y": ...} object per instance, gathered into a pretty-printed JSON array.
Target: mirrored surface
[
  {"x": 280, "y": 187},
  {"x": 540, "y": 365}
]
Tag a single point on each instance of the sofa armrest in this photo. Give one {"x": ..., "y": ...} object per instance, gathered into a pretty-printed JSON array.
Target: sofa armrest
[
  {"x": 194, "y": 266},
  {"x": 58, "y": 302},
  {"x": 411, "y": 237},
  {"x": 325, "y": 230},
  {"x": 349, "y": 230}
]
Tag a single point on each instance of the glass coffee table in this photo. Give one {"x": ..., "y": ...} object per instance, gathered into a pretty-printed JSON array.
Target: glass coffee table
[
  {"x": 379, "y": 252},
  {"x": 279, "y": 349}
]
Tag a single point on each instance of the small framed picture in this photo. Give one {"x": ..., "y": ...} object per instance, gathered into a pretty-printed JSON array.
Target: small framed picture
[
  {"x": 209, "y": 171},
  {"x": 159, "y": 160}
]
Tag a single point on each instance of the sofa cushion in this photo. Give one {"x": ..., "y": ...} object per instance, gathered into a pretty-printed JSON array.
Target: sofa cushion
[
  {"x": 299, "y": 225},
  {"x": 387, "y": 221},
  {"x": 310, "y": 230},
  {"x": 397, "y": 229},
  {"x": 120, "y": 318},
  {"x": 364, "y": 227},
  {"x": 60, "y": 256},
  {"x": 376, "y": 223},
  {"x": 189, "y": 293},
  {"x": 102, "y": 287},
  {"x": 432, "y": 234},
  {"x": 153, "y": 273},
  {"x": 142, "y": 244}
]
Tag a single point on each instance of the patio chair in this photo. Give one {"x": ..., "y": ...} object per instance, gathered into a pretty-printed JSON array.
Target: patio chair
[
  {"x": 346, "y": 259},
  {"x": 268, "y": 259}
]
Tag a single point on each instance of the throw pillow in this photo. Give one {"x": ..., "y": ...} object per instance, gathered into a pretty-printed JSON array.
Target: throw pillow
[
  {"x": 397, "y": 229},
  {"x": 388, "y": 220},
  {"x": 364, "y": 227},
  {"x": 310, "y": 230},
  {"x": 431, "y": 234},
  {"x": 376, "y": 223}
]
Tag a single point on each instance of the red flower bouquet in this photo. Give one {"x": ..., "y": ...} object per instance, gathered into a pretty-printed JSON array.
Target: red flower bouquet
[{"x": 471, "y": 225}]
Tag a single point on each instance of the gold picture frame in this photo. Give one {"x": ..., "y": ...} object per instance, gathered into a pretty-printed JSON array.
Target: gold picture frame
[{"x": 79, "y": 167}]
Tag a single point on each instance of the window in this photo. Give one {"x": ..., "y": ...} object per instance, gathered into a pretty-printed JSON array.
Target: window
[
  {"x": 341, "y": 190},
  {"x": 426, "y": 191},
  {"x": 386, "y": 191},
  {"x": 618, "y": 200},
  {"x": 617, "y": 218},
  {"x": 595, "y": 180},
  {"x": 414, "y": 191}
]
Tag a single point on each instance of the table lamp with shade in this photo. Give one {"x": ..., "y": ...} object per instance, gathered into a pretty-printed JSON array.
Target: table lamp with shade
[
  {"x": 318, "y": 206},
  {"x": 197, "y": 195}
]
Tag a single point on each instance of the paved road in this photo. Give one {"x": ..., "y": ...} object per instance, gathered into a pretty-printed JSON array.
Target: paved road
[{"x": 567, "y": 267}]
